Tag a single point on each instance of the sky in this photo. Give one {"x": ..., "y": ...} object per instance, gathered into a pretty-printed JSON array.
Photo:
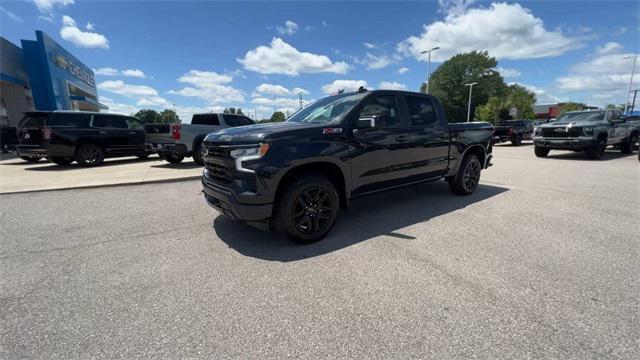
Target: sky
[{"x": 200, "y": 56}]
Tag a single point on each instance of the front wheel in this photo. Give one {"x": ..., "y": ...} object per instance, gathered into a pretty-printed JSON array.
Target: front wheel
[
  {"x": 31, "y": 159},
  {"x": 627, "y": 146},
  {"x": 517, "y": 140},
  {"x": 89, "y": 155},
  {"x": 308, "y": 209},
  {"x": 173, "y": 158},
  {"x": 595, "y": 152},
  {"x": 466, "y": 180},
  {"x": 197, "y": 155},
  {"x": 540, "y": 151}
]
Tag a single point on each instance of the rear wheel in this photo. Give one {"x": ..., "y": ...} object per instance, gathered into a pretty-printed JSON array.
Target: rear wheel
[
  {"x": 595, "y": 152},
  {"x": 89, "y": 155},
  {"x": 308, "y": 209},
  {"x": 517, "y": 140},
  {"x": 62, "y": 161},
  {"x": 173, "y": 158},
  {"x": 466, "y": 180},
  {"x": 197, "y": 154},
  {"x": 540, "y": 151},
  {"x": 627, "y": 146},
  {"x": 31, "y": 159}
]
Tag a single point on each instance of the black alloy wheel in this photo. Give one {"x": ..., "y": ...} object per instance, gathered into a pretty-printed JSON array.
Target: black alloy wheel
[
  {"x": 467, "y": 179},
  {"x": 89, "y": 155},
  {"x": 311, "y": 211}
]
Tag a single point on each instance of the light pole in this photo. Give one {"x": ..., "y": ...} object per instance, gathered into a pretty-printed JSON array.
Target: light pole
[
  {"x": 429, "y": 65},
  {"x": 633, "y": 69},
  {"x": 469, "y": 107}
]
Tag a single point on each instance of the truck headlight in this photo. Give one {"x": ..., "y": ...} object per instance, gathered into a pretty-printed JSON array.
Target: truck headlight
[
  {"x": 248, "y": 153},
  {"x": 587, "y": 131},
  {"x": 537, "y": 131}
]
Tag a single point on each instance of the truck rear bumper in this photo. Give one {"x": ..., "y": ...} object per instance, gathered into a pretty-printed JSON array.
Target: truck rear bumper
[
  {"x": 225, "y": 202},
  {"x": 565, "y": 143},
  {"x": 31, "y": 150},
  {"x": 166, "y": 148}
]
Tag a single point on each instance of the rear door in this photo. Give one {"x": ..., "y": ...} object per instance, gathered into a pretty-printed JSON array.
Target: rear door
[
  {"x": 381, "y": 155},
  {"x": 617, "y": 128},
  {"x": 136, "y": 133},
  {"x": 429, "y": 137},
  {"x": 112, "y": 133}
]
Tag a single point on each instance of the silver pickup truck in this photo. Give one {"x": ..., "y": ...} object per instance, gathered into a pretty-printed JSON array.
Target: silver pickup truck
[{"x": 174, "y": 142}]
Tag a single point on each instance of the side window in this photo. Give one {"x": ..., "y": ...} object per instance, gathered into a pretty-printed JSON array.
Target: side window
[
  {"x": 205, "y": 119},
  {"x": 385, "y": 107},
  {"x": 421, "y": 111},
  {"x": 109, "y": 121},
  {"x": 100, "y": 121},
  {"x": 230, "y": 120},
  {"x": 69, "y": 119},
  {"x": 134, "y": 124},
  {"x": 243, "y": 120}
]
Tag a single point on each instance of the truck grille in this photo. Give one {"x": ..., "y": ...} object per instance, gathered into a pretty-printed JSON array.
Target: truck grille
[
  {"x": 221, "y": 169},
  {"x": 561, "y": 132}
]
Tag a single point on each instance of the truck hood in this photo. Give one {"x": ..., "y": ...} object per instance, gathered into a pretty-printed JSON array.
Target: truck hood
[
  {"x": 251, "y": 134},
  {"x": 569, "y": 124}
]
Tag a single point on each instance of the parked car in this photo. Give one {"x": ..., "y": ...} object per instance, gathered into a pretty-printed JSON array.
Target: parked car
[
  {"x": 297, "y": 174},
  {"x": 174, "y": 142},
  {"x": 514, "y": 131},
  {"x": 85, "y": 137},
  {"x": 588, "y": 131}
]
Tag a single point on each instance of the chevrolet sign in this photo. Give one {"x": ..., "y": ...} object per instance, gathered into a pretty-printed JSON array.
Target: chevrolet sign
[{"x": 75, "y": 70}]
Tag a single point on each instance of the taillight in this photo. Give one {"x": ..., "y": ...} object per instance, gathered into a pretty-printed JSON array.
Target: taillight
[
  {"x": 510, "y": 131},
  {"x": 47, "y": 134},
  {"x": 175, "y": 131}
]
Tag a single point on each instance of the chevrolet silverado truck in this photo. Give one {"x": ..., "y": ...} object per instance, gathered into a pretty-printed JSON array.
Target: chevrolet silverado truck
[
  {"x": 296, "y": 175},
  {"x": 514, "y": 131},
  {"x": 174, "y": 142},
  {"x": 588, "y": 131}
]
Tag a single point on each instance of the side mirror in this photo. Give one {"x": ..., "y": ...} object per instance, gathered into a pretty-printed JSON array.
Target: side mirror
[{"x": 366, "y": 122}]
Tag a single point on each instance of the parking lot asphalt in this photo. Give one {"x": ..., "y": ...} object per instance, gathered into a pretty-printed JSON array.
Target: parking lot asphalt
[
  {"x": 17, "y": 175},
  {"x": 541, "y": 262}
]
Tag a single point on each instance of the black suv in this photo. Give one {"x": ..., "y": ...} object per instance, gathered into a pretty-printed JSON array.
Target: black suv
[{"x": 85, "y": 137}]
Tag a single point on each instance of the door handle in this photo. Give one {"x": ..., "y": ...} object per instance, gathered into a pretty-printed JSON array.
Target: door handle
[{"x": 402, "y": 138}]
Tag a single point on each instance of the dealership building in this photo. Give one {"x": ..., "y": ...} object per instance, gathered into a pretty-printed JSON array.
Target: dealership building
[{"x": 42, "y": 75}]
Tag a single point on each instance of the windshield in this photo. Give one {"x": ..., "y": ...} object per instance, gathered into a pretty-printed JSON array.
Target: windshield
[
  {"x": 327, "y": 110},
  {"x": 581, "y": 116}
]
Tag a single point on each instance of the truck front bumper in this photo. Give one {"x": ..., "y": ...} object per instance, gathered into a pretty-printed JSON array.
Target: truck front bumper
[
  {"x": 223, "y": 200},
  {"x": 578, "y": 143}
]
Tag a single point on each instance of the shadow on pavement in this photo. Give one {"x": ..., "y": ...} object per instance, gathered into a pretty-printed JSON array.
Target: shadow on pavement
[
  {"x": 75, "y": 166},
  {"x": 610, "y": 154},
  {"x": 380, "y": 214},
  {"x": 182, "y": 165},
  {"x": 508, "y": 144}
]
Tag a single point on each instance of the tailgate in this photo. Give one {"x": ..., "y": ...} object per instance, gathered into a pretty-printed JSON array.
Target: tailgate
[
  {"x": 158, "y": 133},
  {"x": 502, "y": 130},
  {"x": 29, "y": 131}
]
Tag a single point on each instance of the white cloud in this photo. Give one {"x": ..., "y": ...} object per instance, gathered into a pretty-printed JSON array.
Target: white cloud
[
  {"x": 118, "y": 108},
  {"x": 403, "y": 70},
  {"x": 289, "y": 28},
  {"x": 454, "y": 7},
  {"x": 131, "y": 91},
  {"x": 137, "y": 73},
  {"x": 209, "y": 86},
  {"x": 46, "y": 18},
  {"x": 388, "y": 85},
  {"x": 610, "y": 47},
  {"x": 90, "y": 26},
  {"x": 84, "y": 39},
  {"x": 369, "y": 45},
  {"x": 374, "y": 62},
  {"x": 542, "y": 95},
  {"x": 11, "y": 15},
  {"x": 279, "y": 90},
  {"x": 508, "y": 73},
  {"x": 154, "y": 101},
  {"x": 46, "y": 6},
  {"x": 298, "y": 90},
  {"x": 106, "y": 71},
  {"x": 506, "y": 31},
  {"x": 347, "y": 85},
  {"x": 282, "y": 58}
]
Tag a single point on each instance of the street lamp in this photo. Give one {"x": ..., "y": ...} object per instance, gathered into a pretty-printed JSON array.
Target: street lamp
[
  {"x": 469, "y": 108},
  {"x": 429, "y": 64},
  {"x": 633, "y": 69}
]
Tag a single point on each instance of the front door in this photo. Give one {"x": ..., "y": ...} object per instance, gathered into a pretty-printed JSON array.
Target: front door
[
  {"x": 381, "y": 153},
  {"x": 112, "y": 133}
]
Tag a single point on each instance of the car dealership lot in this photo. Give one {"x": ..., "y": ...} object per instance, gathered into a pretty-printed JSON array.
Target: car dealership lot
[{"x": 542, "y": 261}]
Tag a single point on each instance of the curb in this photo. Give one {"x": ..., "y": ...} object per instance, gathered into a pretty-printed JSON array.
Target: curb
[{"x": 141, "y": 182}]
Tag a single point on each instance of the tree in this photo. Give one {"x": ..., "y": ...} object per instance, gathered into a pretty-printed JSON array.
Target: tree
[
  {"x": 239, "y": 111},
  {"x": 148, "y": 116},
  {"x": 230, "y": 110},
  {"x": 616, "y": 107},
  {"x": 168, "y": 116},
  {"x": 521, "y": 99},
  {"x": 483, "y": 113},
  {"x": 448, "y": 83},
  {"x": 277, "y": 116}
]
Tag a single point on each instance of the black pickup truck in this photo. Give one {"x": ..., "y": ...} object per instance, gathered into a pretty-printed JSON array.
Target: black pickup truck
[
  {"x": 297, "y": 174},
  {"x": 514, "y": 131}
]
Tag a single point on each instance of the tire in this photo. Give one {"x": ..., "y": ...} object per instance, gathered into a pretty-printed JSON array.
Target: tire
[
  {"x": 197, "y": 154},
  {"x": 541, "y": 151},
  {"x": 89, "y": 155},
  {"x": 62, "y": 161},
  {"x": 627, "y": 146},
  {"x": 308, "y": 209},
  {"x": 466, "y": 180},
  {"x": 143, "y": 156},
  {"x": 517, "y": 140},
  {"x": 31, "y": 159},
  {"x": 173, "y": 158},
  {"x": 595, "y": 152}
]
